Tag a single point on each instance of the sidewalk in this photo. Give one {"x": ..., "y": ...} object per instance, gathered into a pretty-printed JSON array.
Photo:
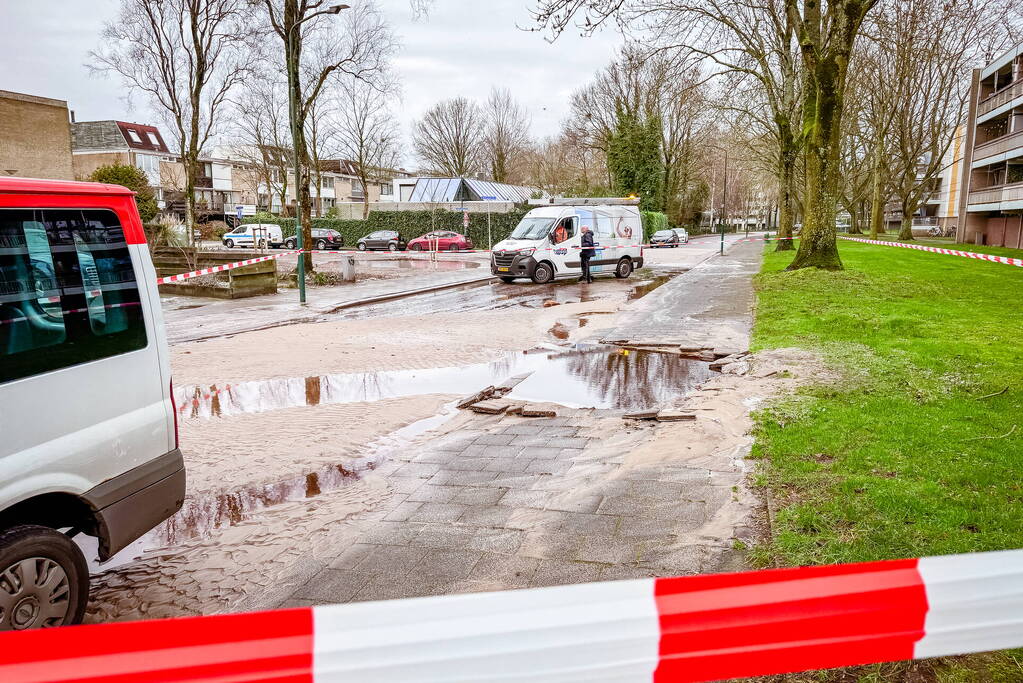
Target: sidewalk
[
  {"x": 192, "y": 319},
  {"x": 711, "y": 305}
]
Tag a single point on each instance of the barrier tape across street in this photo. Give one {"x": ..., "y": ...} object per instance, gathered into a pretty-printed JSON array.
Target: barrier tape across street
[
  {"x": 938, "y": 250},
  {"x": 695, "y": 628},
  {"x": 218, "y": 269}
]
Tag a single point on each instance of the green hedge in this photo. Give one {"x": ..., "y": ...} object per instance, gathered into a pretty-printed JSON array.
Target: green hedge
[
  {"x": 410, "y": 224},
  {"x": 652, "y": 222}
]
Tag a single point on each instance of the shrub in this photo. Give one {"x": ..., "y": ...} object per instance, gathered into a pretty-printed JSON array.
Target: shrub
[
  {"x": 652, "y": 222},
  {"x": 409, "y": 223},
  {"x": 135, "y": 180}
]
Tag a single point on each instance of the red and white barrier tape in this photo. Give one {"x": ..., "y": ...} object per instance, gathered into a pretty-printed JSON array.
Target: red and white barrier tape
[
  {"x": 218, "y": 269},
  {"x": 938, "y": 250},
  {"x": 696, "y": 628}
]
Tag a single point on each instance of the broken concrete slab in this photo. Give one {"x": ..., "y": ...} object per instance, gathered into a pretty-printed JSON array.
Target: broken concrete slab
[
  {"x": 641, "y": 415},
  {"x": 490, "y": 407},
  {"x": 539, "y": 410},
  {"x": 477, "y": 397},
  {"x": 512, "y": 382},
  {"x": 674, "y": 416}
]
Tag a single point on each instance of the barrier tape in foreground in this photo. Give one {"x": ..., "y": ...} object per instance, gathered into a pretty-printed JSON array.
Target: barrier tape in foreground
[
  {"x": 696, "y": 628},
  {"x": 939, "y": 250}
]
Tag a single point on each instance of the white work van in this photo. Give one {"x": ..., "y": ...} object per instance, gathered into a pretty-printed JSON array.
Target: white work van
[
  {"x": 88, "y": 429},
  {"x": 545, "y": 245},
  {"x": 261, "y": 235}
]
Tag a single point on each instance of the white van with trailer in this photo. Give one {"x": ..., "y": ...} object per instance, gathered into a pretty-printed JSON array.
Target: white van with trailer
[
  {"x": 545, "y": 245},
  {"x": 255, "y": 235},
  {"x": 88, "y": 429}
]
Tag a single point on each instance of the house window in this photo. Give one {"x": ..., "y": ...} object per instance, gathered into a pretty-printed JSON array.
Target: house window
[
  {"x": 134, "y": 136},
  {"x": 386, "y": 189},
  {"x": 358, "y": 189},
  {"x": 153, "y": 139}
]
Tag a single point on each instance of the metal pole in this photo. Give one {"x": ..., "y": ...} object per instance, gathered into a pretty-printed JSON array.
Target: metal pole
[
  {"x": 293, "y": 110},
  {"x": 724, "y": 198},
  {"x": 490, "y": 235}
]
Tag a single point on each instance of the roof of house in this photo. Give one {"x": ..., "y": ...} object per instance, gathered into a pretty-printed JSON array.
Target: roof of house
[
  {"x": 98, "y": 136},
  {"x": 469, "y": 189}
]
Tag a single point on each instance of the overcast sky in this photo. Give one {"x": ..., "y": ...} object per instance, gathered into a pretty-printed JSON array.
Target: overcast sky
[{"x": 463, "y": 48}]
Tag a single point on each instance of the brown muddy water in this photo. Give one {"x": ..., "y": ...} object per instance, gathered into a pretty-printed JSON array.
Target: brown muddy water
[{"x": 591, "y": 376}]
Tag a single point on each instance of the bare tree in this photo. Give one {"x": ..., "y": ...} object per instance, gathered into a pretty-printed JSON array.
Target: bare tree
[
  {"x": 821, "y": 34},
  {"x": 185, "y": 57},
  {"x": 507, "y": 132},
  {"x": 932, "y": 45},
  {"x": 366, "y": 133},
  {"x": 359, "y": 48},
  {"x": 450, "y": 138},
  {"x": 261, "y": 136}
]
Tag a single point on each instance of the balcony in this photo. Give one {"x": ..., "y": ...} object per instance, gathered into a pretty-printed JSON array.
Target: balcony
[
  {"x": 1001, "y": 145},
  {"x": 998, "y": 194},
  {"x": 1003, "y": 96}
]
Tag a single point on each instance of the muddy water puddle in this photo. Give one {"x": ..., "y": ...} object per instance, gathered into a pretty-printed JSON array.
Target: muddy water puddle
[
  {"x": 200, "y": 516},
  {"x": 415, "y": 264},
  {"x": 592, "y": 377},
  {"x": 519, "y": 294}
]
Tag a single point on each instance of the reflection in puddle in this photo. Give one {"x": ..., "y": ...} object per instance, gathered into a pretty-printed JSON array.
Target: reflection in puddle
[
  {"x": 199, "y": 517},
  {"x": 500, "y": 296},
  {"x": 597, "y": 377}
]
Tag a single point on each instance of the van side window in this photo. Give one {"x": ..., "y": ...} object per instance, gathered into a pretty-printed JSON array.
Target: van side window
[
  {"x": 68, "y": 293},
  {"x": 604, "y": 228}
]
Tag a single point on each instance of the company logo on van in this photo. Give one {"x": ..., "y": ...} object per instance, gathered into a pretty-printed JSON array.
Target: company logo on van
[{"x": 561, "y": 252}]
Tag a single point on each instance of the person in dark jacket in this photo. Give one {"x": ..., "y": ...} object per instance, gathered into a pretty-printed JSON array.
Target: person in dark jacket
[{"x": 585, "y": 254}]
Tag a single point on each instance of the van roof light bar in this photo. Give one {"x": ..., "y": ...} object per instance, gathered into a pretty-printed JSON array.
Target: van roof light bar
[{"x": 585, "y": 201}]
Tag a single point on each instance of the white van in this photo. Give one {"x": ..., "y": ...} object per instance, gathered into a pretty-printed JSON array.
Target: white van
[
  {"x": 546, "y": 243},
  {"x": 260, "y": 235},
  {"x": 88, "y": 430}
]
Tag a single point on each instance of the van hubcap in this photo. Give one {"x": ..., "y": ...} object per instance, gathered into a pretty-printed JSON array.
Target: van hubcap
[{"x": 33, "y": 593}]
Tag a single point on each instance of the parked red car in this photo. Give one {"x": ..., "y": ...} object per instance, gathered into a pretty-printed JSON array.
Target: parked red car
[{"x": 441, "y": 240}]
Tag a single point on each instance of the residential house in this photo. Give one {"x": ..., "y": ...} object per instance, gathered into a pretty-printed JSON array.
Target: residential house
[
  {"x": 993, "y": 201},
  {"x": 35, "y": 137},
  {"x": 103, "y": 143}
]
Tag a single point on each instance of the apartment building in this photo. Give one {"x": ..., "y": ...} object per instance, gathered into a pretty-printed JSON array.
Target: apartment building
[
  {"x": 940, "y": 206},
  {"x": 993, "y": 165},
  {"x": 35, "y": 137}
]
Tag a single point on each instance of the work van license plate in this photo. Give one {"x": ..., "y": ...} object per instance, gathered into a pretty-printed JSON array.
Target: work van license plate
[{"x": 503, "y": 270}]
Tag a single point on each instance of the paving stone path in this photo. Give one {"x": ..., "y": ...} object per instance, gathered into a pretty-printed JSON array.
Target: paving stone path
[{"x": 524, "y": 504}]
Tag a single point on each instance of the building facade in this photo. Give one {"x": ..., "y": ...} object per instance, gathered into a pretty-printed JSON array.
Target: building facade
[
  {"x": 35, "y": 137},
  {"x": 992, "y": 203}
]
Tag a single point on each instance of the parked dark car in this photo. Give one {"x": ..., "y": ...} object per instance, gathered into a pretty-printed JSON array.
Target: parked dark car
[
  {"x": 441, "y": 240},
  {"x": 382, "y": 239},
  {"x": 322, "y": 239},
  {"x": 664, "y": 238}
]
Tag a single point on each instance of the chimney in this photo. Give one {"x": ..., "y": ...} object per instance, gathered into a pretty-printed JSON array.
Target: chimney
[{"x": 72, "y": 116}]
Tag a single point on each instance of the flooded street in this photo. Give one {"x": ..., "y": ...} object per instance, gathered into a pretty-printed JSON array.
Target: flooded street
[{"x": 326, "y": 461}]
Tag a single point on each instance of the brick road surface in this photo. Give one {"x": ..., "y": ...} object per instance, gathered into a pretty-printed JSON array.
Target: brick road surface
[{"x": 523, "y": 504}]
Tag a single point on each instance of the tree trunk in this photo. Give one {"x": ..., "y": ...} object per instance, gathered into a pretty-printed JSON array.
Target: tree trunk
[
  {"x": 876, "y": 207},
  {"x": 818, "y": 247},
  {"x": 786, "y": 192},
  {"x": 365, "y": 205},
  {"x": 906, "y": 229},
  {"x": 854, "y": 220}
]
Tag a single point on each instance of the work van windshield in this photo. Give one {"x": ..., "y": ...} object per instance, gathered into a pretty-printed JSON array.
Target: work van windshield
[{"x": 534, "y": 228}]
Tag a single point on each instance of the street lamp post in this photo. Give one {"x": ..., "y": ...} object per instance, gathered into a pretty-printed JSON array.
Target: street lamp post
[
  {"x": 724, "y": 198},
  {"x": 293, "y": 66}
]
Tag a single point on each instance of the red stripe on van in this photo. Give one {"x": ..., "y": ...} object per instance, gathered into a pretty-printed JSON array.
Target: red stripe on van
[{"x": 269, "y": 647}]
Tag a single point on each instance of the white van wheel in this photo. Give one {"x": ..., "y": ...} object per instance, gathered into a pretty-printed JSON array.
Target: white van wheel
[
  {"x": 46, "y": 580},
  {"x": 624, "y": 268},
  {"x": 229, "y": 244},
  {"x": 543, "y": 274}
]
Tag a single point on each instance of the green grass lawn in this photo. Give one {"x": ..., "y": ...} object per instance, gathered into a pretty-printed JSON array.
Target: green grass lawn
[
  {"x": 948, "y": 243},
  {"x": 905, "y": 457}
]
